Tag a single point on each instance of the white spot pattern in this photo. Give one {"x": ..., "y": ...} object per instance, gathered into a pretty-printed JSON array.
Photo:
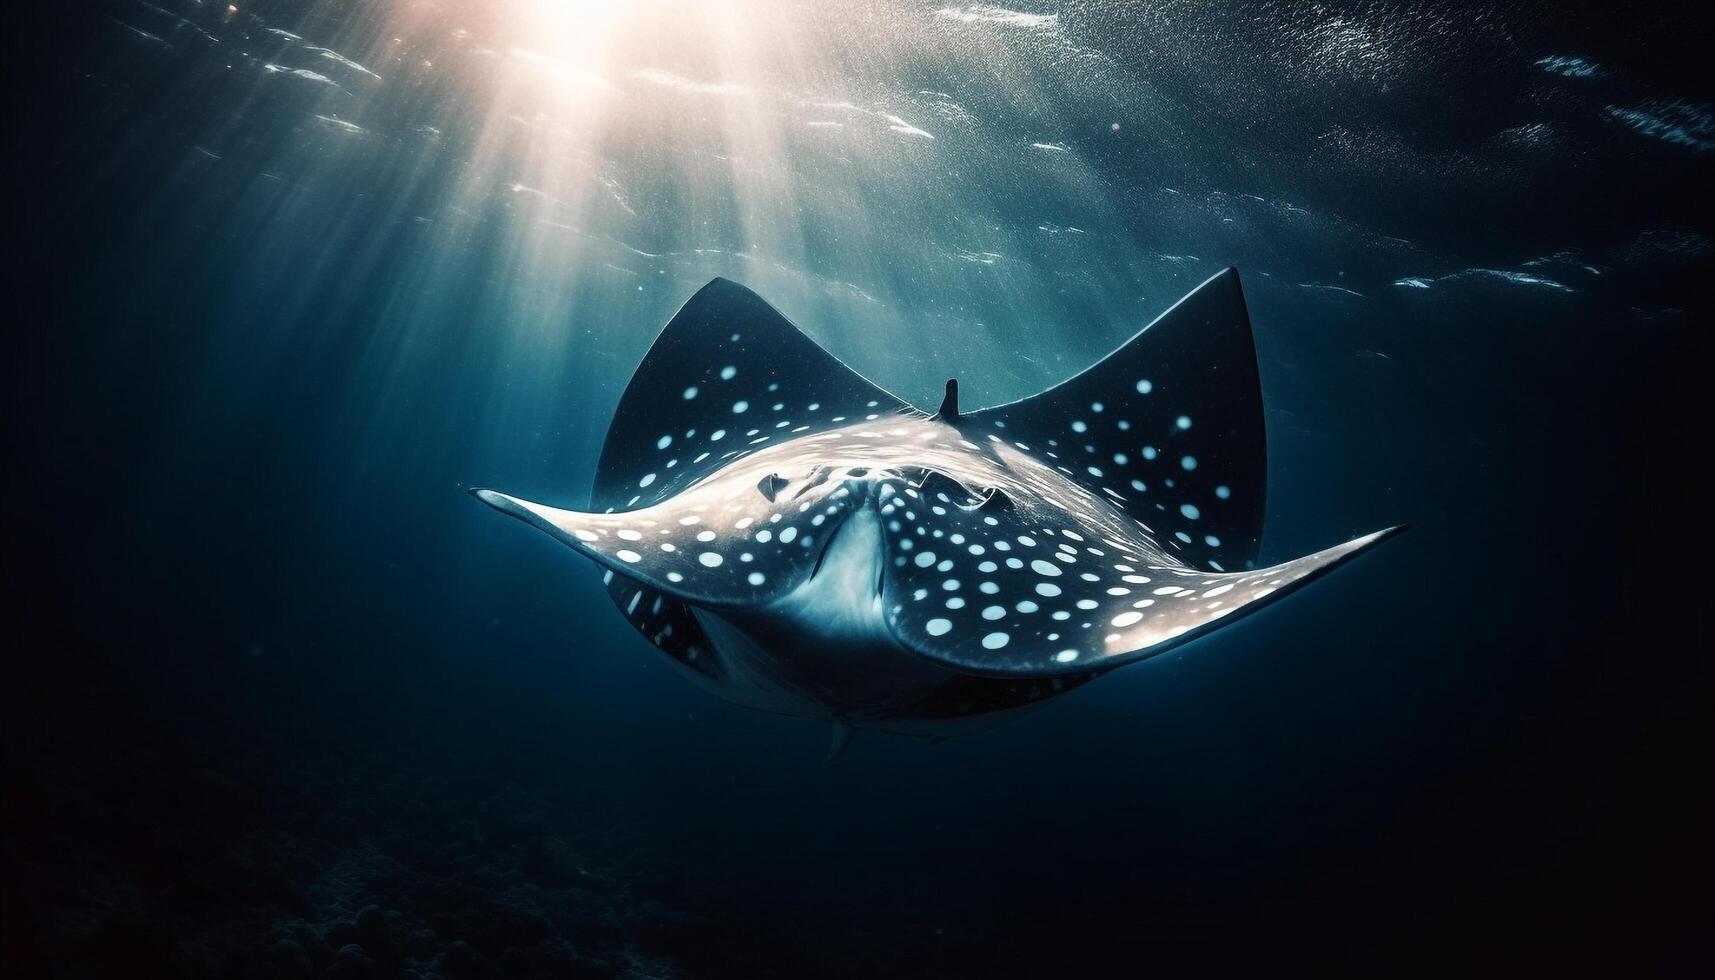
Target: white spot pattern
[{"x": 1094, "y": 486}]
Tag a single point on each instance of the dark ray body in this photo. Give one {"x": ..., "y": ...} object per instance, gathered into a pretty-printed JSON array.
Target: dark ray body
[{"x": 799, "y": 540}]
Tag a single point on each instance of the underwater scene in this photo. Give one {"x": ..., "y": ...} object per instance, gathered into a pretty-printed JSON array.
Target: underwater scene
[{"x": 679, "y": 489}]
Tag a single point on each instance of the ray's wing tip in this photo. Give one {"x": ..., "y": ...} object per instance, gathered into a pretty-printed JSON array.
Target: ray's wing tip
[
  {"x": 514, "y": 507},
  {"x": 721, "y": 284},
  {"x": 562, "y": 525},
  {"x": 1377, "y": 537},
  {"x": 1339, "y": 554},
  {"x": 1228, "y": 275},
  {"x": 493, "y": 498},
  {"x": 1319, "y": 563}
]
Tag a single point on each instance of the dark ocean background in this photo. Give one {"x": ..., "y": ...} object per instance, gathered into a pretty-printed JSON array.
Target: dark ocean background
[{"x": 286, "y": 277}]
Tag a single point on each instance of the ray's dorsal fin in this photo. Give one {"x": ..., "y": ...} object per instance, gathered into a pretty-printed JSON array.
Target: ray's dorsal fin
[
  {"x": 728, "y": 375},
  {"x": 1168, "y": 427},
  {"x": 949, "y": 410}
]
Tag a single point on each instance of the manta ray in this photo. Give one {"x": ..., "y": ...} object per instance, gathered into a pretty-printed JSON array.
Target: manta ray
[{"x": 796, "y": 539}]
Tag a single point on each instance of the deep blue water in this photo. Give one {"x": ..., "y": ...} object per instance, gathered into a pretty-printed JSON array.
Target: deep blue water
[{"x": 283, "y": 701}]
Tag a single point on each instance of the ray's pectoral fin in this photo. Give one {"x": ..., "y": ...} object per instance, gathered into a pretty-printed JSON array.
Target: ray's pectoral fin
[
  {"x": 1168, "y": 427},
  {"x": 728, "y": 376},
  {"x": 703, "y": 546},
  {"x": 1062, "y": 608},
  {"x": 648, "y": 596}
]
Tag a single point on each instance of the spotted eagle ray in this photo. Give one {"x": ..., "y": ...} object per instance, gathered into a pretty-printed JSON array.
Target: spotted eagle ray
[{"x": 796, "y": 539}]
